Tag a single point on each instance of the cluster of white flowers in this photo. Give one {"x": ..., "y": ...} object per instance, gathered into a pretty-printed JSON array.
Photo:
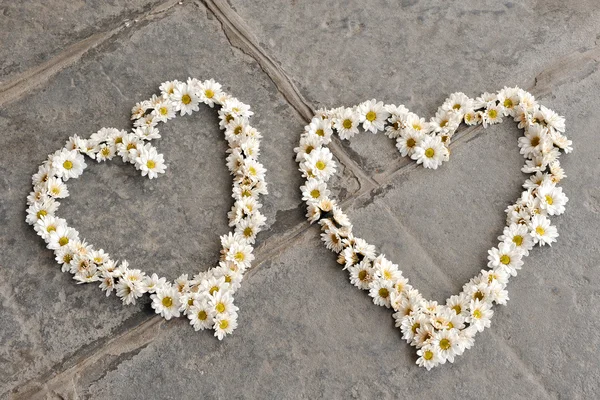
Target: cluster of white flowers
[
  {"x": 439, "y": 332},
  {"x": 206, "y": 298}
]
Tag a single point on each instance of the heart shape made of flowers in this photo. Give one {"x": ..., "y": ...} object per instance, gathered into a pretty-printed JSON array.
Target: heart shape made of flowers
[
  {"x": 439, "y": 332},
  {"x": 206, "y": 298}
]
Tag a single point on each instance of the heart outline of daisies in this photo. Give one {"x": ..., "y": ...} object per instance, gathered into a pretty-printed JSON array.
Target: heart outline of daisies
[{"x": 439, "y": 332}]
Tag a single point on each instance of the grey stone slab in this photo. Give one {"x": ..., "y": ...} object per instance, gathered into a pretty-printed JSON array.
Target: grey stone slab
[
  {"x": 34, "y": 31},
  {"x": 415, "y": 52},
  {"x": 169, "y": 225}
]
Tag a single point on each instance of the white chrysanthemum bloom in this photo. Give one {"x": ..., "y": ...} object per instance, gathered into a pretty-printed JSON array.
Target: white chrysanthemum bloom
[
  {"x": 552, "y": 119},
  {"x": 408, "y": 141},
  {"x": 542, "y": 232},
  {"x": 562, "y": 142},
  {"x": 445, "y": 121},
  {"x": 62, "y": 236},
  {"x": 224, "y": 324},
  {"x": 536, "y": 180},
  {"x": 414, "y": 123},
  {"x": 518, "y": 234},
  {"x": 431, "y": 152},
  {"x": 222, "y": 303},
  {"x": 201, "y": 315},
  {"x": 458, "y": 303},
  {"x": 509, "y": 100},
  {"x": 210, "y": 92},
  {"x": 332, "y": 240},
  {"x": 526, "y": 100},
  {"x": 249, "y": 227},
  {"x": 48, "y": 224},
  {"x": 552, "y": 199},
  {"x": 480, "y": 314},
  {"x": 129, "y": 147},
  {"x": 75, "y": 143},
  {"x": 484, "y": 100},
  {"x": 166, "y": 302},
  {"x": 472, "y": 117},
  {"x": 251, "y": 147},
  {"x": 106, "y": 152},
  {"x": 380, "y": 290},
  {"x": 234, "y": 108},
  {"x": 314, "y": 190},
  {"x": 184, "y": 99},
  {"x": 56, "y": 188},
  {"x": 346, "y": 123},
  {"x": 128, "y": 291},
  {"x": 321, "y": 128},
  {"x": 320, "y": 162},
  {"x": 409, "y": 324},
  {"x": 241, "y": 254},
  {"x": 253, "y": 169},
  {"x": 506, "y": 257},
  {"x": 492, "y": 115},
  {"x": 107, "y": 284},
  {"x": 361, "y": 274},
  {"x": 167, "y": 89},
  {"x": 153, "y": 282},
  {"x": 307, "y": 145},
  {"x": 536, "y": 138},
  {"x": 498, "y": 294},
  {"x": 64, "y": 257},
  {"x": 372, "y": 115},
  {"x": 423, "y": 336},
  {"x": 557, "y": 172},
  {"x": 429, "y": 357},
  {"x": 150, "y": 162},
  {"x": 68, "y": 164},
  {"x": 385, "y": 269},
  {"x": 408, "y": 302}
]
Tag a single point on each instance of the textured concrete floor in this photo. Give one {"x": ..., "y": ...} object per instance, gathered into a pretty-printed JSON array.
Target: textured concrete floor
[{"x": 70, "y": 67}]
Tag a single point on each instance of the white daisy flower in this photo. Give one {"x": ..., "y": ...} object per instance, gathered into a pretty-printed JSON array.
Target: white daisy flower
[
  {"x": 106, "y": 152},
  {"x": 166, "y": 302},
  {"x": 164, "y": 110},
  {"x": 62, "y": 236},
  {"x": 408, "y": 141},
  {"x": 56, "y": 188},
  {"x": 492, "y": 115},
  {"x": 321, "y": 128},
  {"x": 48, "y": 224},
  {"x": 506, "y": 257},
  {"x": 153, "y": 282},
  {"x": 472, "y": 117},
  {"x": 459, "y": 304},
  {"x": 372, "y": 115},
  {"x": 224, "y": 324},
  {"x": 222, "y": 303},
  {"x": 518, "y": 234},
  {"x": 314, "y": 190},
  {"x": 480, "y": 314},
  {"x": 68, "y": 164},
  {"x": 201, "y": 315},
  {"x": 346, "y": 124},
  {"x": 552, "y": 199},
  {"x": 431, "y": 152},
  {"x": 210, "y": 91},
  {"x": 40, "y": 209},
  {"x": 413, "y": 122},
  {"x": 534, "y": 141},
  {"x": 184, "y": 99},
  {"x": 542, "y": 232},
  {"x": 128, "y": 291},
  {"x": 150, "y": 162},
  {"x": 129, "y": 147},
  {"x": 320, "y": 163},
  {"x": 380, "y": 290},
  {"x": 361, "y": 274},
  {"x": 240, "y": 254},
  {"x": 457, "y": 102},
  {"x": 429, "y": 357}
]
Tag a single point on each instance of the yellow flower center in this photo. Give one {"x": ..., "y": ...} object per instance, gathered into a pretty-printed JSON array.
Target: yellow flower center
[
  {"x": 477, "y": 314},
  {"x": 167, "y": 301},
  {"x": 220, "y": 307},
  {"x": 63, "y": 241},
  {"x": 238, "y": 130},
  {"x": 209, "y": 93},
  {"x": 443, "y": 123},
  {"x": 223, "y": 324},
  {"x": 493, "y": 113},
  {"x": 535, "y": 141},
  {"x": 131, "y": 146},
  {"x": 309, "y": 149},
  {"x": 416, "y": 127},
  {"x": 248, "y": 231},
  {"x": 505, "y": 259},
  {"x": 316, "y": 193},
  {"x": 445, "y": 344},
  {"x": 457, "y": 309},
  {"x": 478, "y": 295},
  {"x": 508, "y": 103},
  {"x": 518, "y": 240},
  {"x": 118, "y": 140},
  {"x": 41, "y": 213},
  {"x": 362, "y": 275},
  {"x": 150, "y": 164},
  {"x": 540, "y": 231},
  {"x": 239, "y": 256},
  {"x": 202, "y": 315},
  {"x": 415, "y": 326},
  {"x": 163, "y": 110},
  {"x": 450, "y": 325},
  {"x": 549, "y": 199},
  {"x": 428, "y": 355},
  {"x": 456, "y": 106},
  {"x": 213, "y": 290},
  {"x": 371, "y": 116},
  {"x": 186, "y": 99},
  {"x": 51, "y": 228},
  {"x": 68, "y": 164},
  {"x": 411, "y": 142},
  {"x": 383, "y": 292},
  {"x": 320, "y": 132},
  {"x": 67, "y": 258},
  {"x": 320, "y": 165},
  {"x": 429, "y": 153},
  {"x": 347, "y": 124}
]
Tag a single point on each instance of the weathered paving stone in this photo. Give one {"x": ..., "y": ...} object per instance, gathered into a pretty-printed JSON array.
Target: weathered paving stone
[
  {"x": 34, "y": 31},
  {"x": 169, "y": 225}
]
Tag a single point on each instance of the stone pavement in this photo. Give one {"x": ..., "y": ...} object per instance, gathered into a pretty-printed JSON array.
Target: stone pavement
[{"x": 71, "y": 67}]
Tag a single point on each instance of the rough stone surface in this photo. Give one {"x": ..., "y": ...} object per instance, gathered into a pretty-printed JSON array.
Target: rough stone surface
[{"x": 304, "y": 332}]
